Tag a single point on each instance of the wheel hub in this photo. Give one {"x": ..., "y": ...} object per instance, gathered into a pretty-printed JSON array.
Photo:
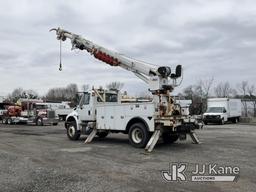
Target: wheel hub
[
  {"x": 137, "y": 135},
  {"x": 71, "y": 131}
]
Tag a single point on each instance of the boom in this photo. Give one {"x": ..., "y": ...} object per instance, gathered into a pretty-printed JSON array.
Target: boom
[{"x": 157, "y": 77}]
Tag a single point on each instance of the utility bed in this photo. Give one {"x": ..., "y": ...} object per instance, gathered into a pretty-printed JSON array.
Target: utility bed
[{"x": 116, "y": 116}]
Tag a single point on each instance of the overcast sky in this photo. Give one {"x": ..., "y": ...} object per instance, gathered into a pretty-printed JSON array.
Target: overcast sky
[{"x": 209, "y": 38}]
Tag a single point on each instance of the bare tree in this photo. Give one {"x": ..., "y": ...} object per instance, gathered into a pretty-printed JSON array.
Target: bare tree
[
  {"x": 251, "y": 89},
  {"x": 17, "y": 93},
  {"x": 85, "y": 87},
  {"x": 31, "y": 94},
  {"x": 21, "y": 93},
  {"x": 204, "y": 86},
  {"x": 188, "y": 92},
  {"x": 62, "y": 93},
  {"x": 115, "y": 85},
  {"x": 223, "y": 90},
  {"x": 243, "y": 87},
  {"x": 194, "y": 93}
]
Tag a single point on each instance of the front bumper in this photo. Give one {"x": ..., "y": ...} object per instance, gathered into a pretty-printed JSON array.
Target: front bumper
[
  {"x": 212, "y": 119},
  {"x": 50, "y": 120}
]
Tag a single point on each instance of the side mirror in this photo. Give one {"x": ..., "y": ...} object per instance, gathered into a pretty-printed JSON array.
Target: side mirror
[{"x": 178, "y": 71}]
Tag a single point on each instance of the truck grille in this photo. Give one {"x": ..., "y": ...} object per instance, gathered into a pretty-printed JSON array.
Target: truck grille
[
  {"x": 51, "y": 114},
  {"x": 212, "y": 117}
]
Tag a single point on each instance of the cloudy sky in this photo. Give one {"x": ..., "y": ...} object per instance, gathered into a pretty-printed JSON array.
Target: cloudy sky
[{"x": 209, "y": 38}]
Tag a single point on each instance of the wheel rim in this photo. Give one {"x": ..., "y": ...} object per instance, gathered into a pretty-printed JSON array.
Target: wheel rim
[
  {"x": 137, "y": 135},
  {"x": 71, "y": 131},
  {"x": 39, "y": 121},
  {"x": 9, "y": 121}
]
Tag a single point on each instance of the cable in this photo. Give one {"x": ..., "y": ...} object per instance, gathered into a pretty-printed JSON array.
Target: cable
[{"x": 60, "y": 67}]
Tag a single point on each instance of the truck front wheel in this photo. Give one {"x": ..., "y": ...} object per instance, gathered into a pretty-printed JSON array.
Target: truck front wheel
[
  {"x": 222, "y": 122},
  {"x": 138, "y": 135},
  {"x": 39, "y": 121},
  {"x": 72, "y": 132}
]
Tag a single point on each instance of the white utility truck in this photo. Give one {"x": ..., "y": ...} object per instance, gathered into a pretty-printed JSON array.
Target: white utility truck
[
  {"x": 221, "y": 110},
  {"x": 62, "y": 109},
  {"x": 101, "y": 112}
]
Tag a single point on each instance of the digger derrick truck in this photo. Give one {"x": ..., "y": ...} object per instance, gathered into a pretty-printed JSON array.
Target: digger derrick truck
[{"x": 101, "y": 111}]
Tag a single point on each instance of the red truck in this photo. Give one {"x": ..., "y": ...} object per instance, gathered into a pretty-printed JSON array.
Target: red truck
[{"x": 30, "y": 111}]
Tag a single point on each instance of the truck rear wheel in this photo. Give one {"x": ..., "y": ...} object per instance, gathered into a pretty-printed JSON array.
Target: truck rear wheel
[
  {"x": 235, "y": 120},
  {"x": 169, "y": 138},
  {"x": 72, "y": 132},
  {"x": 102, "y": 134},
  {"x": 138, "y": 135},
  {"x": 4, "y": 121}
]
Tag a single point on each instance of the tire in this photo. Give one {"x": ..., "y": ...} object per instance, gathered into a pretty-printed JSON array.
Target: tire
[
  {"x": 222, "y": 122},
  {"x": 72, "y": 132},
  {"x": 138, "y": 135},
  {"x": 39, "y": 121},
  {"x": 235, "y": 120},
  {"x": 55, "y": 124},
  {"x": 4, "y": 121},
  {"x": 9, "y": 121},
  {"x": 168, "y": 138},
  {"x": 205, "y": 122},
  {"x": 102, "y": 134}
]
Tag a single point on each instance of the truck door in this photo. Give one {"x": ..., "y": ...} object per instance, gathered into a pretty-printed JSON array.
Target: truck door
[
  {"x": 85, "y": 109},
  {"x": 225, "y": 114}
]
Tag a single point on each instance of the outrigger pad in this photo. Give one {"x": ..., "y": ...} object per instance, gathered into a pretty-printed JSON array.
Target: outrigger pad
[
  {"x": 194, "y": 138},
  {"x": 153, "y": 140},
  {"x": 91, "y": 136}
]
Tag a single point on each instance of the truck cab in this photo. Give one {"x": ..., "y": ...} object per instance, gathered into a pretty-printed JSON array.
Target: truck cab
[
  {"x": 85, "y": 113},
  {"x": 215, "y": 115},
  {"x": 86, "y": 107}
]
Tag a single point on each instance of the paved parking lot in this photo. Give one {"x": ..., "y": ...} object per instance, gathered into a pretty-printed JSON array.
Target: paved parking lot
[{"x": 34, "y": 158}]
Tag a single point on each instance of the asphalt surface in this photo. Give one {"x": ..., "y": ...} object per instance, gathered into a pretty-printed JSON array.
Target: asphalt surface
[{"x": 34, "y": 158}]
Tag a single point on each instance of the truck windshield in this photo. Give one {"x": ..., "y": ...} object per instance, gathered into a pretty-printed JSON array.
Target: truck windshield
[
  {"x": 215, "y": 110},
  {"x": 41, "y": 107},
  {"x": 85, "y": 99}
]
